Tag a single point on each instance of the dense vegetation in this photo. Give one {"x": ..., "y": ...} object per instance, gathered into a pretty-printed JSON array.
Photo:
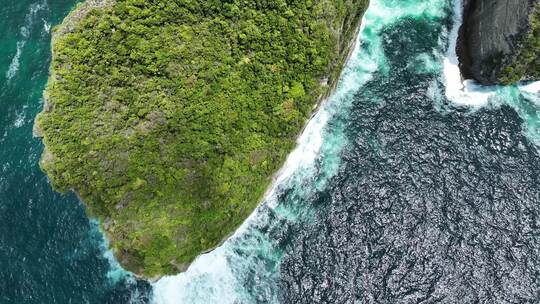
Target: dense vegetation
[
  {"x": 169, "y": 117},
  {"x": 526, "y": 64}
]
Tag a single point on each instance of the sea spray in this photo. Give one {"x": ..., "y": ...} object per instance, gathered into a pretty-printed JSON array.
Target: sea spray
[{"x": 468, "y": 92}]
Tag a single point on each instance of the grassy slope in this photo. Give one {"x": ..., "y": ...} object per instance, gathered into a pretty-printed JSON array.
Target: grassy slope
[
  {"x": 169, "y": 117},
  {"x": 526, "y": 64}
]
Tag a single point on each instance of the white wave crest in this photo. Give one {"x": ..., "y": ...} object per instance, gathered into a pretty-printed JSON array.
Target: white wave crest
[
  {"x": 15, "y": 62},
  {"x": 532, "y": 88},
  {"x": 24, "y": 32}
]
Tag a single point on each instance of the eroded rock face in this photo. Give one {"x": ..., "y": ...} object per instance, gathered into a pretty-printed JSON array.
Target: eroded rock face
[{"x": 491, "y": 36}]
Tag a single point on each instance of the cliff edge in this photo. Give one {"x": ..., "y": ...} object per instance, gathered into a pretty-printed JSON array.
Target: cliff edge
[
  {"x": 499, "y": 41},
  {"x": 169, "y": 118}
]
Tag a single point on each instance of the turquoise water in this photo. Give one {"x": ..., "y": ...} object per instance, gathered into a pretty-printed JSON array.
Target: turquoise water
[
  {"x": 403, "y": 188},
  {"x": 49, "y": 250}
]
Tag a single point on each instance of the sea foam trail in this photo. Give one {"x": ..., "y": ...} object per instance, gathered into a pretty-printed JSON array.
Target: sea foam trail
[
  {"x": 24, "y": 33},
  {"x": 15, "y": 62},
  {"x": 216, "y": 277}
]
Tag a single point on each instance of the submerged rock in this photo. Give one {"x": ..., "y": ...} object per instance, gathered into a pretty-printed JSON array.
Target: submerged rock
[{"x": 499, "y": 40}]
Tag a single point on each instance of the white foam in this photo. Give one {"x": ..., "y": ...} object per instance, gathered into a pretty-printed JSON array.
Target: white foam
[
  {"x": 24, "y": 31},
  {"x": 46, "y": 26},
  {"x": 19, "y": 120},
  {"x": 533, "y": 87},
  {"x": 468, "y": 92},
  {"x": 15, "y": 62},
  {"x": 308, "y": 147},
  {"x": 209, "y": 280}
]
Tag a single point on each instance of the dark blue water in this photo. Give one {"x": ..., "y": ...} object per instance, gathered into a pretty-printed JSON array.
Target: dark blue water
[
  {"x": 396, "y": 195},
  {"x": 429, "y": 205}
]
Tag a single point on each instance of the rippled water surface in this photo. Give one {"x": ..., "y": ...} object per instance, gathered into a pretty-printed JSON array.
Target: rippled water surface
[
  {"x": 395, "y": 193},
  {"x": 49, "y": 251}
]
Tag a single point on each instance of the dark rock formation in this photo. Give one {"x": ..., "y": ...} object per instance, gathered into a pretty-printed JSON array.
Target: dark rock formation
[{"x": 491, "y": 37}]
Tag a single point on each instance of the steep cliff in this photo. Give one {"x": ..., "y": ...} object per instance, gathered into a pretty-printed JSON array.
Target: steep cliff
[
  {"x": 499, "y": 40},
  {"x": 169, "y": 118}
]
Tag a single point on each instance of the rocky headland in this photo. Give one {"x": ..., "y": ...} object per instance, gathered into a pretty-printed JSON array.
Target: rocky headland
[
  {"x": 499, "y": 41},
  {"x": 169, "y": 118}
]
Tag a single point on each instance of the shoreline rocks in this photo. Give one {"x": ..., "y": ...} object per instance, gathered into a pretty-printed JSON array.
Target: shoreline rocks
[{"x": 492, "y": 37}]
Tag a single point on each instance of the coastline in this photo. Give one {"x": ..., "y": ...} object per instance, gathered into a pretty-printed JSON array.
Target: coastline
[
  {"x": 83, "y": 8},
  {"x": 78, "y": 12},
  {"x": 323, "y": 98}
]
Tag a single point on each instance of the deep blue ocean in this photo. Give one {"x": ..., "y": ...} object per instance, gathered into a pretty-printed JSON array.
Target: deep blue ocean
[
  {"x": 403, "y": 188},
  {"x": 50, "y": 252}
]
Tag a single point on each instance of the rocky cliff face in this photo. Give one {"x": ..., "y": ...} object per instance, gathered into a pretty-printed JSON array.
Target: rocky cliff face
[{"x": 496, "y": 38}]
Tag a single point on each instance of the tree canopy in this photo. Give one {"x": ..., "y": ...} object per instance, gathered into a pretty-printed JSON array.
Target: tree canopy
[{"x": 169, "y": 117}]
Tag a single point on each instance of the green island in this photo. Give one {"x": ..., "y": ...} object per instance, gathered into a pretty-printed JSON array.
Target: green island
[
  {"x": 169, "y": 117},
  {"x": 525, "y": 65}
]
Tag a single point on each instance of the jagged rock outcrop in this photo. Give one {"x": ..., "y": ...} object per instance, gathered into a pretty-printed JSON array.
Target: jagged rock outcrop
[{"x": 499, "y": 40}]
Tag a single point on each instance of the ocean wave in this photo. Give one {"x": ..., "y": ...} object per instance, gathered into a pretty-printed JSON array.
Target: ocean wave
[
  {"x": 24, "y": 33},
  {"x": 19, "y": 119}
]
